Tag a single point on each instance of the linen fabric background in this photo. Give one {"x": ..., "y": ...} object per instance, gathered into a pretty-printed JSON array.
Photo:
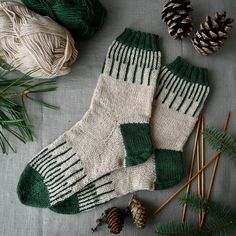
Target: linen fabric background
[{"x": 74, "y": 94}]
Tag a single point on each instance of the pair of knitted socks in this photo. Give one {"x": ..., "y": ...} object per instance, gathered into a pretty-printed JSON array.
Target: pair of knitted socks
[{"x": 110, "y": 152}]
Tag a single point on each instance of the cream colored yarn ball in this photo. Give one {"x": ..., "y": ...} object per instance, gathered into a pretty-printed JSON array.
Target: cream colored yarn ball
[{"x": 34, "y": 43}]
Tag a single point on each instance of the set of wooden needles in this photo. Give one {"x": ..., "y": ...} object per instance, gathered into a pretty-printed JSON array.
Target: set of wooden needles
[{"x": 199, "y": 154}]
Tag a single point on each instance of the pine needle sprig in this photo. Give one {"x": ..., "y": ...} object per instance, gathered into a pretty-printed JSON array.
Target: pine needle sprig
[
  {"x": 14, "y": 117},
  {"x": 220, "y": 219},
  {"x": 222, "y": 141}
]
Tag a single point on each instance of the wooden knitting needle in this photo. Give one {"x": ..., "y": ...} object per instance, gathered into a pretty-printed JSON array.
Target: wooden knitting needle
[
  {"x": 189, "y": 181},
  {"x": 203, "y": 155},
  {"x": 202, "y": 162},
  {"x": 215, "y": 166},
  {"x": 199, "y": 179},
  {"x": 192, "y": 165}
]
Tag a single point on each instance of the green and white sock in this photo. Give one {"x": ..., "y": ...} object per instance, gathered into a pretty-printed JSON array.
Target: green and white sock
[
  {"x": 181, "y": 94},
  {"x": 113, "y": 134}
]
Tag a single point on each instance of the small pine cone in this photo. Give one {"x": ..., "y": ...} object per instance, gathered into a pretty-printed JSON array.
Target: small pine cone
[
  {"x": 114, "y": 217},
  {"x": 212, "y": 34},
  {"x": 139, "y": 213},
  {"x": 176, "y": 15}
]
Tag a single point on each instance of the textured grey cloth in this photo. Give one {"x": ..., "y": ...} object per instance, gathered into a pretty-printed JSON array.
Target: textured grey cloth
[{"x": 74, "y": 95}]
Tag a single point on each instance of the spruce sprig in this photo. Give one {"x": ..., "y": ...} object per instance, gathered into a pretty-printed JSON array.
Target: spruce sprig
[
  {"x": 220, "y": 140},
  {"x": 177, "y": 229},
  {"x": 14, "y": 118},
  {"x": 212, "y": 208},
  {"x": 220, "y": 219}
]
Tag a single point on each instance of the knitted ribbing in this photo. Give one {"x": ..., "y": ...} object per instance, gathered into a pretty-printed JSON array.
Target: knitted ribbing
[{"x": 134, "y": 57}]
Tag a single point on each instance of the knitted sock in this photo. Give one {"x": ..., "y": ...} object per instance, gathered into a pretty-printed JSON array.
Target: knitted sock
[
  {"x": 181, "y": 94},
  {"x": 113, "y": 134}
]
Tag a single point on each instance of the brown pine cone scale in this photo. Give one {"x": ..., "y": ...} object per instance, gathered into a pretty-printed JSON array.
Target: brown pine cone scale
[
  {"x": 139, "y": 213},
  {"x": 212, "y": 33},
  {"x": 114, "y": 218},
  {"x": 176, "y": 15}
]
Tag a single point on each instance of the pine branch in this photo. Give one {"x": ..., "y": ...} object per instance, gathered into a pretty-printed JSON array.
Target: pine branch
[
  {"x": 220, "y": 140},
  {"x": 14, "y": 118}
]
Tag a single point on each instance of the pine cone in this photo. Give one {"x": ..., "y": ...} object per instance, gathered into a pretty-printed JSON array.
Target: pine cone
[
  {"x": 114, "y": 217},
  {"x": 139, "y": 213},
  {"x": 212, "y": 33},
  {"x": 176, "y": 15}
]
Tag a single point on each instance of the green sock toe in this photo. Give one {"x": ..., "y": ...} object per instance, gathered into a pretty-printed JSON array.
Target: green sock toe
[{"x": 31, "y": 189}]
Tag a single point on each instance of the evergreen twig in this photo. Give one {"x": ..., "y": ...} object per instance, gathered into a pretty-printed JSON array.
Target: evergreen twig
[
  {"x": 220, "y": 219},
  {"x": 14, "y": 118},
  {"x": 220, "y": 140}
]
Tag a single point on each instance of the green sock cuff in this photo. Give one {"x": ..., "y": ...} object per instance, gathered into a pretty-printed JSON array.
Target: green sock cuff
[
  {"x": 138, "y": 39},
  {"x": 183, "y": 87},
  {"x": 188, "y": 72},
  {"x": 134, "y": 57}
]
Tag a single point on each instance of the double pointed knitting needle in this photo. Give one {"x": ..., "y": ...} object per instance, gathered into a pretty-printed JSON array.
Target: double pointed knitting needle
[
  {"x": 192, "y": 165},
  {"x": 199, "y": 179},
  {"x": 203, "y": 154},
  {"x": 215, "y": 167},
  {"x": 202, "y": 161}
]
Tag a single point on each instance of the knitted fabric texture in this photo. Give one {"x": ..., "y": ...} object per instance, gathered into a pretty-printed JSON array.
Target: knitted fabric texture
[
  {"x": 155, "y": 172},
  {"x": 181, "y": 93},
  {"x": 33, "y": 43},
  {"x": 180, "y": 97},
  {"x": 113, "y": 134},
  {"x": 81, "y": 17}
]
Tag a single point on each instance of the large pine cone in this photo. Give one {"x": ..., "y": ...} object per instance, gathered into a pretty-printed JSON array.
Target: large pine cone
[
  {"x": 114, "y": 217},
  {"x": 139, "y": 213},
  {"x": 212, "y": 33},
  {"x": 176, "y": 15}
]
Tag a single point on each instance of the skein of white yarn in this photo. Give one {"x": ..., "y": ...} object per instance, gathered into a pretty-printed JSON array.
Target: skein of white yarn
[{"x": 32, "y": 42}]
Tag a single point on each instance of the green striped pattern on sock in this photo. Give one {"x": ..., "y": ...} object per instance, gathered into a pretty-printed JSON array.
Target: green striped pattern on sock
[
  {"x": 60, "y": 168},
  {"x": 95, "y": 194},
  {"x": 183, "y": 87},
  {"x": 133, "y": 57}
]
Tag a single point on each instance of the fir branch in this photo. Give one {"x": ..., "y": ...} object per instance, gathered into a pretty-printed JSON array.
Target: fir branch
[
  {"x": 178, "y": 229},
  {"x": 195, "y": 203},
  {"x": 14, "y": 118},
  {"x": 220, "y": 140},
  {"x": 213, "y": 209},
  {"x": 220, "y": 221}
]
